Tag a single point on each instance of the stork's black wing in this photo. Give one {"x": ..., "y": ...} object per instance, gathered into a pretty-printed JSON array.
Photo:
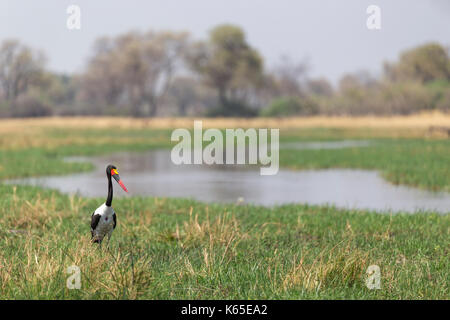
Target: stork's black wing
[
  {"x": 94, "y": 222},
  {"x": 115, "y": 220}
]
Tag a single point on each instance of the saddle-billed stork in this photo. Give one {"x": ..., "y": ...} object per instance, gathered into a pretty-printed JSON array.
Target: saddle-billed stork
[{"x": 104, "y": 220}]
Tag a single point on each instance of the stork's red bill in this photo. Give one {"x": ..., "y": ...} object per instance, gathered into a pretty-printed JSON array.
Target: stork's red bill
[{"x": 116, "y": 177}]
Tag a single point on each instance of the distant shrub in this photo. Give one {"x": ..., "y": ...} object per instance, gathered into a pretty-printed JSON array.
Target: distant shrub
[
  {"x": 443, "y": 103},
  {"x": 404, "y": 98},
  {"x": 290, "y": 106},
  {"x": 232, "y": 109},
  {"x": 4, "y": 109},
  {"x": 441, "y": 94},
  {"x": 385, "y": 98},
  {"x": 30, "y": 105}
]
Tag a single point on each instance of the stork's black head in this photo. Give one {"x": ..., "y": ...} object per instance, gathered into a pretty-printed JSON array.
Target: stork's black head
[
  {"x": 111, "y": 171},
  {"x": 109, "y": 168}
]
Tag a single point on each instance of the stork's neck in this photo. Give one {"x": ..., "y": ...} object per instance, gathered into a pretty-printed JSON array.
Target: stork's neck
[{"x": 110, "y": 192}]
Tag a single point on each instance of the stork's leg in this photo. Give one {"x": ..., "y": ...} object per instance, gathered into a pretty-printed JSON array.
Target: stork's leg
[{"x": 96, "y": 239}]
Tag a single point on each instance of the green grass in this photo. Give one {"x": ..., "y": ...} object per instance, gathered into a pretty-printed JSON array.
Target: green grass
[
  {"x": 412, "y": 162},
  {"x": 182, "y": 249}
]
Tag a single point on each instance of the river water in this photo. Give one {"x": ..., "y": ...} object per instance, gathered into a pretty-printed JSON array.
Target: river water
[{"x": 153, "y": 174}]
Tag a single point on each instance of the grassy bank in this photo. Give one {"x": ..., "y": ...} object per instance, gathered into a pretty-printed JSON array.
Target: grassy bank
[
  {"x": 167, "y": 249},
  {"x": 175, "y": 248}
]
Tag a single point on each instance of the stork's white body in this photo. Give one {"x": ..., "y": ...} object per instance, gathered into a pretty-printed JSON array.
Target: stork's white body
[{"x": 103, "y": 222}]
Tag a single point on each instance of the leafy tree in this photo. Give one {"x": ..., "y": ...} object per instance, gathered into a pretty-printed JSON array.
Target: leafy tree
[
  {"x": 184, "y": 92},
  {"x": 229, "y": 64},
  {"x": 289, "y": 77},
  {"x": 20, "y": 68},
  {"x": 426, "y": 63},
  {"x": 362, "y": 79},
  {"x": 134, "y": 70},
  {"x": 320, "y": 87}
]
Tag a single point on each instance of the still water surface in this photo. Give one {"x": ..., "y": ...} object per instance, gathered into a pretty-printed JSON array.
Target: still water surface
[{"x": 153, "y": 174}]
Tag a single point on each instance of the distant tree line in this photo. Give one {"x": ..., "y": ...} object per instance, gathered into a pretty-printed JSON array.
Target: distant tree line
[{"x": 148, "y": 74}]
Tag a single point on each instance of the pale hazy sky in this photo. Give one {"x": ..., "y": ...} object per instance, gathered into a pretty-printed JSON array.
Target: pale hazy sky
[{"x": 332, "y": 34}]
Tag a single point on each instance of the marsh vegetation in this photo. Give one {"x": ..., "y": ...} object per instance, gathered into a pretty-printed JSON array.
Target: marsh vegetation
[{"x": 178, "y": 248}]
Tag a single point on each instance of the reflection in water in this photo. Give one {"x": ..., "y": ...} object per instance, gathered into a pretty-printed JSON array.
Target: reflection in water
[{"x": 152, "y": 173}]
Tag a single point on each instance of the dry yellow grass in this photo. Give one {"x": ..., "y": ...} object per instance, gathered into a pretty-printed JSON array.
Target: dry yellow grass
[
  {"x": 224, "y": 231},
  {"x": 28, "y": 133},
  {"x": 419, "y": 121},
  {"x": 338, "y": 266}
]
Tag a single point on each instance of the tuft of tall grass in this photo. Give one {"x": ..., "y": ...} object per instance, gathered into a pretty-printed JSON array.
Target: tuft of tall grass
[{"x": 335, "y": 267}]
